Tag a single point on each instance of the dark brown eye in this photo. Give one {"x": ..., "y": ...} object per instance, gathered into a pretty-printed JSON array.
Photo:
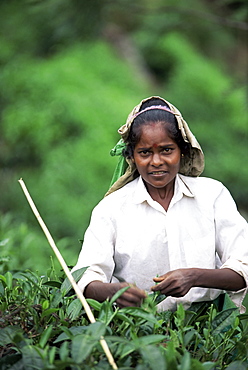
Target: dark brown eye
[
  {"x": 167, "y": 150},
  {"x": 144, "y": 152}
]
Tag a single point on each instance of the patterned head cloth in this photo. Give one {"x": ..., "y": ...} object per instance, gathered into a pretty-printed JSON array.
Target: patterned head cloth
[{"x": 192, "y": 164}]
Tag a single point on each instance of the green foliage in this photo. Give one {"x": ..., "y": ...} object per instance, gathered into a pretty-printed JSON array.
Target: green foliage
[
  {"x": 44, "y": 327},
  {"x": 41, "y": 28},
  {"x": 58, "y": 132},
  {"x": 22, "y": 245}
]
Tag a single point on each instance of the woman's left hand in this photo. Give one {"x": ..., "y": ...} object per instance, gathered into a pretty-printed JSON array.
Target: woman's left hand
[
  {"x": 175, "y": 283},
  {"x": 178, "y": 282}
]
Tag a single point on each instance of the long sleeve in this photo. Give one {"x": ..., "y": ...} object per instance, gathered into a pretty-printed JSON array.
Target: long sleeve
[
  {"x": 232, "y": 240},
  {"x": 97, "y": 249}
]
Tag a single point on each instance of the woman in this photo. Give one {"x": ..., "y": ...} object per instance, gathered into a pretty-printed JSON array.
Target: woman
[{"x": 161, "y": 227}]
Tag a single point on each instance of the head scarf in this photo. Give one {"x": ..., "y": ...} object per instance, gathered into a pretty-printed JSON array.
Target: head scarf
[{"x": 192, "y": 163}]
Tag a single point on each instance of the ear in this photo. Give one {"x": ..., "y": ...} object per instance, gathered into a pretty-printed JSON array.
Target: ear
[{"x": 132, "y": 159}]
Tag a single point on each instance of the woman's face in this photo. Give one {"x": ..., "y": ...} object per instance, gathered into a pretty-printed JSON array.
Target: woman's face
[{"x": 156, "y": 156}]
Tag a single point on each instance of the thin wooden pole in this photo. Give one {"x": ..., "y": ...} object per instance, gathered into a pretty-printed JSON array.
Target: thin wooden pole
[{"x": 67, "y": 272}]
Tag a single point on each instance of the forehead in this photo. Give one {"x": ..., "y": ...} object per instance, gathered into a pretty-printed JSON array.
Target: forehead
[{"x": 154, "y": 134}]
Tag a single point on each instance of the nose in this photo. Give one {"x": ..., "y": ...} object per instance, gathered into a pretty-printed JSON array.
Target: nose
[{"x": 156, "y": 160}]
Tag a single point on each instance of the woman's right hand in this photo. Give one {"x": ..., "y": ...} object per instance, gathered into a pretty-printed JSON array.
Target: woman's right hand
[{"x": 100, "y": 291}]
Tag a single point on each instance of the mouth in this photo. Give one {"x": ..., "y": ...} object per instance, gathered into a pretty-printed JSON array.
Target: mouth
[{"x": 157, "y": 173}]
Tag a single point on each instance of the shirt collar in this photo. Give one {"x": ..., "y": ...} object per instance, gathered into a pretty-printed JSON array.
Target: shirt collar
[{"x": 181, "y": 188}]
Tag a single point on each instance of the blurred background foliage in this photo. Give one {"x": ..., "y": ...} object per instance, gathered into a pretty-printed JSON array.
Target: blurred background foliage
[{"x": 71, "y": 71}]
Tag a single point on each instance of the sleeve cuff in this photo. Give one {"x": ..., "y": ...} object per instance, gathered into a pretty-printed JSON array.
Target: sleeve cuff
[{"x": 238, "y": 296}]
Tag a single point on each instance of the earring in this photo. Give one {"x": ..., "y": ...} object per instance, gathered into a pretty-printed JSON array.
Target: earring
[{"x": 182, "y": 155}]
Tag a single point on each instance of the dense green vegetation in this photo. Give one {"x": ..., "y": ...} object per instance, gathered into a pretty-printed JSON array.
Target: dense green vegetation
[
  {"x": 43, "y": 326},
  {"x": 70, "y": 73}
]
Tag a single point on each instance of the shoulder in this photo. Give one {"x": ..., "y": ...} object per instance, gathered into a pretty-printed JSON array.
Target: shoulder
[
  {"x": 201, "y": 182},
  {"x": 211, "y": 194},
  {"x": 118, "y": 198},
  {"x": 204, "y": 186}
]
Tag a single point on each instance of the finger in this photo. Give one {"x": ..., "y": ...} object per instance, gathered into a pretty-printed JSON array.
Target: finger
[
  {"x": 120, "y": 303},
  {"x": 133, "y": 298},
  {"x": 164, "y": 288},
  {"x": 133, "y": 289},
  {"x": 178, "y": 292},
  {"x": 137, "y": 292},
  {"x": 157, "y": 287},
  {"x": 158, "y": 278},
  {"x": 123, "y": 302}
]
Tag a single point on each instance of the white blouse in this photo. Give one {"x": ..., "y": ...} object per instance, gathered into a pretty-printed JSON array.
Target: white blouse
[{"x": 132, "y": 238}]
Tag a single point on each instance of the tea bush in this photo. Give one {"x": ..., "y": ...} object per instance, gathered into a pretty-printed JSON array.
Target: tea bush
[{"x": 43, "y": 326}]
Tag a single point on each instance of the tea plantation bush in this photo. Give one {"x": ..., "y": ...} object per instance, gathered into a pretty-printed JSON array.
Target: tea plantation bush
[{"x": 43, "y": 326}]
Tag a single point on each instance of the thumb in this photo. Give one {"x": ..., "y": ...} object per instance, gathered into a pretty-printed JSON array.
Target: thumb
[{"x": 157, "y": 279}]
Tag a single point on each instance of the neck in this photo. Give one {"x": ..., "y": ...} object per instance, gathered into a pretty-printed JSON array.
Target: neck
[{"x": 162, "y": 195}]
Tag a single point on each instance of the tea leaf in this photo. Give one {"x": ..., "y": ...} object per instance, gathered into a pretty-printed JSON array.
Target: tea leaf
[
  {"x": 189, "y": 336},
  {"x": 97, "y": 329},
  {"x": 32, "y": 358},
  {"x": 237, "y": 365},
  {"x": 94, "y": 304},
  {"x": 33, "y": 282},
  {"x": 66, "y": 285},
  {"x": 48, "y": 312},
  {"x": 196, "y": 365},
  {"x": 153, "y": 357},
  {"x": 138, "y": 343},
  {"x": 150, "y": 339},
  {"x": 8, "y": 334},
  {"x": 124, "y": 318},
  {"x": 45, "y": 336},
  {"x": 53, "y": 284},
  {"x": 126, "y": 349},
  {"x": 223, "y": 320},
  {"x": 9, "y": 280},
  {"x": 70, "y": 333},
  {"x": 3, "y": 278},
  {"x": 52, "y": 354},
  {"x": 56, "y": 299},
  {"x": 83, "y": 344},
  {"x": 64, "y": 351},
  {"x": 139, "y": 313},
  {"x": 171, "y": 356},
  {"x": 45, "y": 304},
  {"x": 185, "y": 362},
  {"x": 11, "y": 362},
  {"x": 75, "y": 307}
]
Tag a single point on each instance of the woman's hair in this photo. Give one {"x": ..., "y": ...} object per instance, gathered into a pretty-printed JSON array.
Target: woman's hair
[{"x": 154, "y": 115}]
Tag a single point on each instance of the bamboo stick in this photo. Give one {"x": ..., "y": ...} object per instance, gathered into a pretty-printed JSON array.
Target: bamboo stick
[{"x": 67, "y": 272}]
